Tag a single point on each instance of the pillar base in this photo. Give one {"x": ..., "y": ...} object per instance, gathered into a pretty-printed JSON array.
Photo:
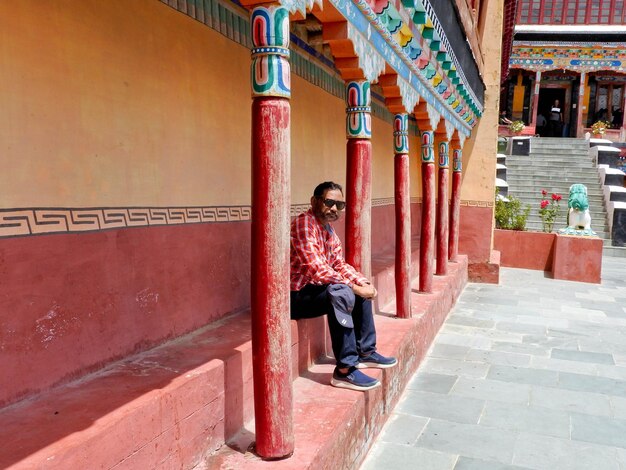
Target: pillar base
[{"x": 487, "y": 272}]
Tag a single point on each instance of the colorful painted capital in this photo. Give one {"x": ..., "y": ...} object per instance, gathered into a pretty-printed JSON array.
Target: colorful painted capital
[
  {"x": 358, "y": 110},
  {"x": 428, "y": 153},
  {"x": 271, "y": 75},
  {"x": 444, "y": 155},
  {"x": 401, "y": 133},
  {"x": 457, "y": 160}
]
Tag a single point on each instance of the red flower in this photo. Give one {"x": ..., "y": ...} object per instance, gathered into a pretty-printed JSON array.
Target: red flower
[
  {"x": 544, "y": 204},
  {"x": 558, "y": 197},
  {"x": 555, "y": 197},
  {"x": 544, "y": 192}
]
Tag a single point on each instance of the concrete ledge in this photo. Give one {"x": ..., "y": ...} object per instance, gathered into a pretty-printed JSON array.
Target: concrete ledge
[
  {"x": 577, "y": 259},
  {"x": 334, "y": 428},
  {"x": 611, "y": 176},
  {"x": 605, "y": 155},
  {"x": 614, "y": 193},
  {"x": 617, "y": 222},
  {"x": 527, "y": 250},
  {"x": 594, "y": 142},
  {"x": 567, "y": 257},
  {"x": 488, "y": 272},
  {"x": 172, "y": 405},
  {"x": 519, "y": 146}
]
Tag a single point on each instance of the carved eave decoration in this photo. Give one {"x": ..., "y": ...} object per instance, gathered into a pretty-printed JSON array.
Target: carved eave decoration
[
  {"x": 400, "y": 44},
  {"x": 575, "y": 57}
]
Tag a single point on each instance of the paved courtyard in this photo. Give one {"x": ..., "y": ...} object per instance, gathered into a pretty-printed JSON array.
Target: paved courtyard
[{"x": 530, "y": 374}]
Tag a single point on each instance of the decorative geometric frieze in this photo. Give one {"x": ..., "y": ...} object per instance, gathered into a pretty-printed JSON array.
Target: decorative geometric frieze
[
  {"x": 401, "y": 133},
  {"x": 271, "y": 74},
  {"x": 16, "y": 222},
  {"x": 383, "y": 201},
  {"x": 477, "y": 203}
]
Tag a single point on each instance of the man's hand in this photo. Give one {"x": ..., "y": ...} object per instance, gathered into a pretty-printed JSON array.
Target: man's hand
[{"x": 367, "y": 291}]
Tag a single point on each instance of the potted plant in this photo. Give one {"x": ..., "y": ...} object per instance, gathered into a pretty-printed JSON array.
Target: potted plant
[
  {"x": 516, "y": 127},
  {"x": 598, "y": 128},
  {"x": 510, "y": 213}
]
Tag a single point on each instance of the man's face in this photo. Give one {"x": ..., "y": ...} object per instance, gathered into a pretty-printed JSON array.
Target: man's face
[{"x": 320, "y": 205}]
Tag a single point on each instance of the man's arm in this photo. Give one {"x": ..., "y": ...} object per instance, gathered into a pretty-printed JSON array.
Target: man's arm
[{"x": 359, "y": 283}]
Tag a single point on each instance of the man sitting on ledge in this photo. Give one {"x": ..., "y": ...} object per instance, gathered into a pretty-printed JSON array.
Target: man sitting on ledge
[{"x": 323, "y": 283}]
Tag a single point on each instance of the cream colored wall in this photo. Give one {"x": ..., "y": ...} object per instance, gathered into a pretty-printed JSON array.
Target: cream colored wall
[
  {"x": 318, "y": 144},
  {"x": 111, "y": 105},
  {"x": 479, "y": 152},
  {"x": 139, "y": 105}
]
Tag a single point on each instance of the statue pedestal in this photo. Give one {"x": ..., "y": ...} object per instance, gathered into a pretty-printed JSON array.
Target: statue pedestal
[{"x": 577, "y": 258}]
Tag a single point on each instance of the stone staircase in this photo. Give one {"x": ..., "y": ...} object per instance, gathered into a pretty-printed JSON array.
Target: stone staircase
[{"x": 554, "y": 164}]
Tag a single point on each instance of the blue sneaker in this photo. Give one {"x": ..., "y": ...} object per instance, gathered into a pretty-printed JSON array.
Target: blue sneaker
[
  {"x": 376, "y": 361},
  {"x": 353, "y": 380}
]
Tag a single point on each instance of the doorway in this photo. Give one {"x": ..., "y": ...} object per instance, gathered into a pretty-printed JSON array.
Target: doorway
[{"x": 547, "y": 97}]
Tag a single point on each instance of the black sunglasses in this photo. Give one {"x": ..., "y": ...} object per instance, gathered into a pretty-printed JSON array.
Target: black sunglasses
[{"x": 341, "y": 205}]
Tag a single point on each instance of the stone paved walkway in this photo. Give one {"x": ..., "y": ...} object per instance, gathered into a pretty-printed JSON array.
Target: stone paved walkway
[{"x": 530, "y": 374}]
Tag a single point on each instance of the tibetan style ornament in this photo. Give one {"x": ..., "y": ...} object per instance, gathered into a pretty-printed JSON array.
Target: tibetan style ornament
[
  {"x": 358, "y": 109},
  {"x": 578, "y": 218},
  {"x": 270, "y": 52}
]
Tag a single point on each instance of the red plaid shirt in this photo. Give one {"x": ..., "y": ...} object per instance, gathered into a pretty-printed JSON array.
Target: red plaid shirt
[{"x": 316, "y": 255}]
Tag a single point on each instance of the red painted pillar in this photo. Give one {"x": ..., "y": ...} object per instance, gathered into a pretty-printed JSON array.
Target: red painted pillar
[
  {"x": 442, "y": 210},
  {"x": 359, "y": 176},
  {"x": 427, "y": 238},
  {"x": 403, "y": 215},
  {"x": 579, "y": 110},
  {"x": 455, "y": 206},
  {"x": 271, "y": 329}
]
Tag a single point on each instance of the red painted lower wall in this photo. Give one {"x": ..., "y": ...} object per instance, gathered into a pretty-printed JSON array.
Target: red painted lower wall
[
  {"x": 527, "y": 250},
  {"x": 71, "y": 303},
  {"x": 475, "y": 233}
]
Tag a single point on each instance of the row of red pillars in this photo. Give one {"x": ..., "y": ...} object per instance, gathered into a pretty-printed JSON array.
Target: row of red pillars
[{"x": 271, "y": 333}]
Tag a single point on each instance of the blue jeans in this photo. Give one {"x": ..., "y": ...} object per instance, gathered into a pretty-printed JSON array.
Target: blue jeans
[{"x": 348, "y": 343}]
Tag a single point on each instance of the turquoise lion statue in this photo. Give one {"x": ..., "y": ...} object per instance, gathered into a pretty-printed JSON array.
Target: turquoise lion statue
[{"x": 578, "y": 218}]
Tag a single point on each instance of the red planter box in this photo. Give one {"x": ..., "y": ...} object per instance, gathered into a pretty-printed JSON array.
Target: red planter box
[
  {"x": 528, "y": 250},
  {"x": 569, "y": 258}
]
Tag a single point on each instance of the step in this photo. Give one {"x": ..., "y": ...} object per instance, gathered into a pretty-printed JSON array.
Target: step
[
  {"x": 579, "y": 165},
  {"x": 616, "y": 251},
  {"x": 534, "y": 193},
  {"x": 170, "y": 406},
  {"x": 334, "y": 427},
  {"x": 562, "y": 184},
  {"x": 556, "y": 168},
  {"x": 558, "y": 179},
  {"x": 533, "y": 188}
]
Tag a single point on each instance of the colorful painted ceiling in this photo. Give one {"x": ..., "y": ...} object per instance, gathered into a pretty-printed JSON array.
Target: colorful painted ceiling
[
  {"x": 405, "y": 36},
  {"x": 579, "y": 57}
]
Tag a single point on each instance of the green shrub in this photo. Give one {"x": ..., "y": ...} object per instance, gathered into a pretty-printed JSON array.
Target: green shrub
[{"x": 511, "y": 215}]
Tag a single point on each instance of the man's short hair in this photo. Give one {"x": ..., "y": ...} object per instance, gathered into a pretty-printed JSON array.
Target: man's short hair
[{"x": 321, "y": 188}]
